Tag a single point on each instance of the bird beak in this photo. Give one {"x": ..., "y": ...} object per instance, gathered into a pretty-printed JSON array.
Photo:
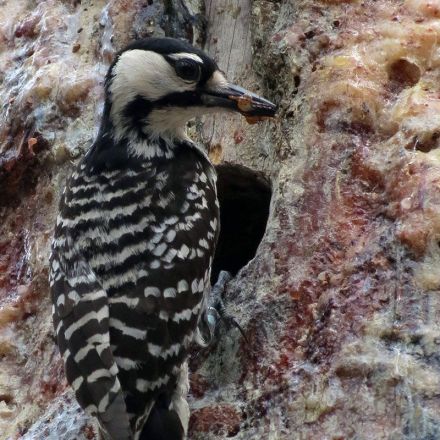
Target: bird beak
[{"x": 235, "y": 98}]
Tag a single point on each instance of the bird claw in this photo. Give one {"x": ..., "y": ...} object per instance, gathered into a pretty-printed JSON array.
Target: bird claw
[
  {"x": 216, "y": 311},
  {"x": 211, "y": 318},
  {"x": 231, "y": 322}
]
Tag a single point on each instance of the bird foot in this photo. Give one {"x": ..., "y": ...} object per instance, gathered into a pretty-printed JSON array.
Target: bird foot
[{"x": 216, "y": 311}]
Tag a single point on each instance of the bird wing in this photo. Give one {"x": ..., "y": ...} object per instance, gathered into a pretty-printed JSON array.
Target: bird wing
[{"x": 81, "y": 319}]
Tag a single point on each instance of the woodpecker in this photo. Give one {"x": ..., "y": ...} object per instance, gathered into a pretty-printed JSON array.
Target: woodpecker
[{"x": 135, "y": 239}]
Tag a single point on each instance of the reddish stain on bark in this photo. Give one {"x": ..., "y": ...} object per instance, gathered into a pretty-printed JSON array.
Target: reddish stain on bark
[
  {"x": 238, "y": 136},
  {"x": 216, "y": 419},
  {"x": 27, "y": 28},
  {"x": 198, "y": 385},
  {"x": 13, "y": 264},
  {"x": 89, "y": 432}
]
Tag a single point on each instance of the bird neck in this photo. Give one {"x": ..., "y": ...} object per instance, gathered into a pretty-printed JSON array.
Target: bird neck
[
  {"x": 116, "y": 149},
  {"x": 143, "y": 130}
]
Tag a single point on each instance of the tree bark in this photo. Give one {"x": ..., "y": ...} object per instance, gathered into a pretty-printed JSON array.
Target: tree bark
[{"x": 340, "y": 303}]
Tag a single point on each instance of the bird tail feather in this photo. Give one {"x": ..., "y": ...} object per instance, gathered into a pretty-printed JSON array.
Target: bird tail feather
[
  {"x": 114, "y": 421},
  {"x": 162, "y": 424},
  {"x": 169, "y": 416}
]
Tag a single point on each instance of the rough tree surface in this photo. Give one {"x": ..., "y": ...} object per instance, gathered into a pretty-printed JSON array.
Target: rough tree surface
[{"x": 341, "y": 302}]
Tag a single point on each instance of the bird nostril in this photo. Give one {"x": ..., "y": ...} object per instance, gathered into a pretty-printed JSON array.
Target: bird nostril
[{"x": 244, "y": 197}]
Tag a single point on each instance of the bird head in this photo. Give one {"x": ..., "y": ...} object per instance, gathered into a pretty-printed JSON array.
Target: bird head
[{"x": 155, "y": 86}]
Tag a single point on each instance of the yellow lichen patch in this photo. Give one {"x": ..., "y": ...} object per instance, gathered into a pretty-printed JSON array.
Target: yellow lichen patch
[
  {"x": 340, "y": 1},
  {"x": 364, "y": 76},
  {"x": 320, "y": 402},
  {"x": 385, "y": 368},
  {"x": 7, "y": 343},
  {"x": 73, "y": 92},
  {"x": 428, "y": 8},
  {"x": 9, "y": 313},
  {"x": 414, "y": 192},
  {"x": 415, "y": 375},
  {"x": 6, "y": 346},
  {"x": 427, "y": 274},
  {"x": 216, "y": 153},
  {"x": 386, "y": 84},
  {"x": 348, "y": 102},
  {"x": 407, "y": 39},
  {"x": 417, "y": 114},
  {"x": 43, "y": 84}
]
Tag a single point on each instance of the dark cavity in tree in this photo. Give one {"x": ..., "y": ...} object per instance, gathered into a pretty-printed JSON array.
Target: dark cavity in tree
[
  {"x": 244, "y": 197},
  {"x": 402, "y": 74}
]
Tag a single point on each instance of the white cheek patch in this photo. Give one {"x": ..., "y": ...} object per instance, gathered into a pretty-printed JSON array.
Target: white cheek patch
[
  {"x": 217, "y": 81},
  {"x": 144, "y": 73},
  {"x": 171, "y": 121},
  {"x": 181, "y": 55}
]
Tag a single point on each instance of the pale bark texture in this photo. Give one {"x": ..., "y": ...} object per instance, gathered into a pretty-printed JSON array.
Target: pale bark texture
[{"x": 340, "y": 305}]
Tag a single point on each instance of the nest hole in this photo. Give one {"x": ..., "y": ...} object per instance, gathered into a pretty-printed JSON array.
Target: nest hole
[
  {"x": 402, "y": 74},
  {"x": 244, "y": 197}
]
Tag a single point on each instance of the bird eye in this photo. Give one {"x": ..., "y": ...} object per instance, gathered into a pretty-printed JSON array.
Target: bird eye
[{"x": 188, "y": 70}]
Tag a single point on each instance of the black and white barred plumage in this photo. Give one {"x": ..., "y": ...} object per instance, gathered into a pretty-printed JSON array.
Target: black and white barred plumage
[{"x": 135, "y": 239}]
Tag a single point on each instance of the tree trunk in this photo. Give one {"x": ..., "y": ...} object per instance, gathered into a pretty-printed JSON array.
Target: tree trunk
[{"x": 339, "y": 301}]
